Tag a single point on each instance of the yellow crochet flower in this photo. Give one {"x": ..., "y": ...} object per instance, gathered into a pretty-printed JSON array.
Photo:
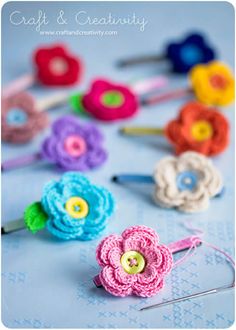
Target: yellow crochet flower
[{"x": 213, "y": 83}]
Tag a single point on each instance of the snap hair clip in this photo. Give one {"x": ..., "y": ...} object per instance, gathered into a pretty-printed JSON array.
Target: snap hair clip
[
  {"x": 136, "y": 264},
  {"x": 186, "y": 182},
  {"x": 108, "y": 101},
  {"x": 71, "y": 208},
  {"x": 212, "y": 84},
  {"x": 21, "y": 118},
  {"x": 72, "y": 146},
  {"x": 54, "y": 65},
  {"x": 196, "y": 128},
  {"x": 183, "y": 55}
]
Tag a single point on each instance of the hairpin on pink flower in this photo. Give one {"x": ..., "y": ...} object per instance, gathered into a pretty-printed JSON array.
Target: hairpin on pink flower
[
  {"x": 186, "y": 182},
  {"x": 72, "y": 146},
  {"x": 212, "y": 84},
  {"x": 182, "y": 55},
  {"x": 136, "y": 264},
  {"x": 54, "y": 65},
  {"x": 197, "y": 128},
  {"x": 71, "y": 208}
]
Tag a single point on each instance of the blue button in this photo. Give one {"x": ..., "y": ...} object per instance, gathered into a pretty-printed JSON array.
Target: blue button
[
  {"x": 191, "y": 54},
  {"x": 187, "y": 180},
  {"x": 16, "y": 117}
]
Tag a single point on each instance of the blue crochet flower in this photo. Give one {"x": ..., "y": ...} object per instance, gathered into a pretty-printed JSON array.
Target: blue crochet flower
[
  {"x": 189, "y": 52},
  {"x": 75, "y": 208}
]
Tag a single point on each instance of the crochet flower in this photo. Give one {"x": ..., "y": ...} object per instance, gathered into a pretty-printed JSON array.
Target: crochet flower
[
  {"x": 74, "y": 146},
  {"x": 55, "y": 65},
  {"x": 200, "y": 129},
  {"x": 213, "y": 83},
  {"x": 189, "y": 52},
  {"x": 133, "y": 263},
  {"x": 20, "y": 119},
  {"x": 71, "y": 208},
  {"x": 186, "y": 182},
  {"x": 107, "y": 101}
]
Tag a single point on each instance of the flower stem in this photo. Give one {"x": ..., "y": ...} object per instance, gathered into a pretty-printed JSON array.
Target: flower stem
[
  {"x": 20, "y": 161},
  {"x": 142, "y": 130}
]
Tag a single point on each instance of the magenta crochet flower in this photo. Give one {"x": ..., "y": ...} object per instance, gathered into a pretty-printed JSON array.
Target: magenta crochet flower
[
  {"x": 107, "y": 101},
  {"x": 73, "y": 146},
  {"x": 133, "y": 263},
  {"x": 21, "y": 121}
]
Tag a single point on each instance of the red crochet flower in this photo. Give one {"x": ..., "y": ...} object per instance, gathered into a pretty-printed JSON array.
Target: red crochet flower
[
  {"x": 133, "y": 263},
  {"x": 200, "y": 129},
  {"x": 56, "y": 66},
  {"x": 21, "y": 121},
  {"x": 109, "y": 102}
]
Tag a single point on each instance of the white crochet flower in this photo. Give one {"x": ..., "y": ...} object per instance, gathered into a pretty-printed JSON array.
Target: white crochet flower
[{"x": 186, "y": 182}]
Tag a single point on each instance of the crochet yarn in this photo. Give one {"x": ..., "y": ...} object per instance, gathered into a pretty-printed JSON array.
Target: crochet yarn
[
  {"x": 75, "y": 208},
  {"x": 21, "y": 121},
  {"x": 74, "y": 146},
  {"x": 107, "y": 101},
  {"x": 186, "y": 182},
  {"x": 133, "y": 263},
  {"x": 189, "y": 52},
  {"x": 200, "y": 129},
  {"x": 213, "y": 83},
  {"x": 55, "y": 65}
]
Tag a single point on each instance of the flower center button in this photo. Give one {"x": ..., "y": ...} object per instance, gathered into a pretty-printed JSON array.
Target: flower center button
[
  {"x": 133, "y": 262},
  {"x": 112, "y": 99},
  {"x": 75, "y": 145},
  {"x": 16, "y": 117},
  {"x": 58, "y": 66},
  {"x": 202, "y": 130},
  {"x": 77, "y": 207}
]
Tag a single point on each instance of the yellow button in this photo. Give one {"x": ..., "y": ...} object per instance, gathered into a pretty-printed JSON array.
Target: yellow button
[
  {"x": 132, "y": 262},
  {"x": 201, "y": 130},
  {"x": 77, "y": 207}
]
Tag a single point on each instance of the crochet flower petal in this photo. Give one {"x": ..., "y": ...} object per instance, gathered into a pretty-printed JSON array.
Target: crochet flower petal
[
  {"x": 65, "y": 235},
  {"x": 111, "y": 284},
  {"x": 196, "y": 205},
  {"x": 124, "y": 278},
  {"x": 104, "y": 247},
  {"x": 148, "y": 235},
  {"x": 150, "y": 289}
]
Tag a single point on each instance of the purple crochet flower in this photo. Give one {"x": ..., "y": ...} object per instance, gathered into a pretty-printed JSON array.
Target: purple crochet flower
[{"x": 73, "y": 146}]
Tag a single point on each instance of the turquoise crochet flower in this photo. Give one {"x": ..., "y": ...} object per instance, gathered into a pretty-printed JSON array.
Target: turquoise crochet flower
[{"x": 73, "y": 208}]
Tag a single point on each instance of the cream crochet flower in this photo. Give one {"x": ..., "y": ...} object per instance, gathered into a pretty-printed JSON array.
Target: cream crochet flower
[{"x": 186, "y": 182}]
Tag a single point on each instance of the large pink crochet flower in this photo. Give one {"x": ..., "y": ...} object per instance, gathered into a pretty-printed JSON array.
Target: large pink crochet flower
[
  {"x": 133, "y": 263},
  {"x": 108, "y": 101}
]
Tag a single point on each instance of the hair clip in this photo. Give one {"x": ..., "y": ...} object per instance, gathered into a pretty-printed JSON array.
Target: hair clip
[
  {"x": 182, "y": 55},
  {"x": 71, "y": 208},
  {"x": 136, "y": 264},
  {"x": 71, "y": 146},
  {"x": 110, "y": 101},
  {"x": 54, "y": 66},
  {"x": 21, "y": 119},
  {"x": 197, "y": 128},
  {"x": 186, "y": 182},
  {"x": 211, "y": 83}
]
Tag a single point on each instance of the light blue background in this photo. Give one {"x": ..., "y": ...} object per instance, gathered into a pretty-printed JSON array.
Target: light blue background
[{"x": 47, "y": 283}]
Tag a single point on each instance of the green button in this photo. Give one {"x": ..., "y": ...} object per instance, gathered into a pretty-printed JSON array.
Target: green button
[
  {"x": 133, "y": 262},
  {"x": 112, "y": 99}
]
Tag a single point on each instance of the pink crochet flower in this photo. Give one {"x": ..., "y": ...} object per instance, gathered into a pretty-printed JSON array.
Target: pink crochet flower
[
  {"x": 133, "y": 263},
  {"x": 108, "y": 101},
  {"x": 21, "y": 121}
]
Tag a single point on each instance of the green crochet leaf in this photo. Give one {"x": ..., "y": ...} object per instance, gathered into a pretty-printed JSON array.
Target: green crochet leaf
[
  {"x": 76, "y": 103},
  {"x": 35, "y": 217}
]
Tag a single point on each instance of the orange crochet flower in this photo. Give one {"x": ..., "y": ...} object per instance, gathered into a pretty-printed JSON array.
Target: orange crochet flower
[
  {"x": 198, "y": 128},
  {"x": 213, "y": 83}
]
